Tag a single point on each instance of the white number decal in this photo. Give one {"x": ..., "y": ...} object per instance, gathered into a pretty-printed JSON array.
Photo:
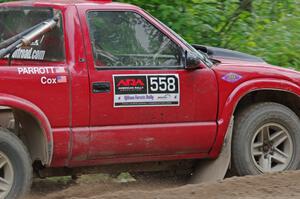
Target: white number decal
[
  {"x": 163, "y": 84},
  {"x": 171, "y": 84},
  {"x": 153, "y": 84}
]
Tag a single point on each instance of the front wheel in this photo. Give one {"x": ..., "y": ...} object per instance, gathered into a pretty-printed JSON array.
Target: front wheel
[{"x": 266, "y": 138}]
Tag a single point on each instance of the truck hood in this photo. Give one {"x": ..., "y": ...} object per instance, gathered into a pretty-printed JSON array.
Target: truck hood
[
  {"x": 245, "y": 65},
  {"x": 245, "y": 70},
  {"x": 221, "y": 54}
]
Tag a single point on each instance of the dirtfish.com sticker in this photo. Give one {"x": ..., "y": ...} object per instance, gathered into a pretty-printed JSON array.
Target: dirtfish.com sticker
[
  {"x": 146, "y": 90},
  {"x": 30, "y": 54}
]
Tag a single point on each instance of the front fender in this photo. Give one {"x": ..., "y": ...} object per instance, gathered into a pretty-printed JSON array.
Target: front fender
[
  {"x": 237, "y": 94},
  {"x": 37, "y": 113}
]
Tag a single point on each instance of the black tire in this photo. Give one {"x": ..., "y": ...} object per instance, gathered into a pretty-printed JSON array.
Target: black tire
[
  {"x": 246, "y": 129},
  {"x": 13, "y": 148}
]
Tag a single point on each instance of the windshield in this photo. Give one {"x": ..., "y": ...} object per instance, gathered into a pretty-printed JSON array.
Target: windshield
[{"x": 14, "y": 20}]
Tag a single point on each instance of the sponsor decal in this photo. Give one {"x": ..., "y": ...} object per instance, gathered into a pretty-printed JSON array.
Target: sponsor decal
[
  {"x": 45, "y": 71},
  {"x": 55, "y": 80},
  {"x": 232, "y": 77},
  {"x": 40, "y": 70},
  {"x": 30, "y": 53},
  {"x": 130, "y": 85},
  {"x": 146, "y": 90}
]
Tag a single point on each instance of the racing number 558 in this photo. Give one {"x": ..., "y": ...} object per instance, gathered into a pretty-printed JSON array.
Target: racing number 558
[{"x": 166, "y": 84}]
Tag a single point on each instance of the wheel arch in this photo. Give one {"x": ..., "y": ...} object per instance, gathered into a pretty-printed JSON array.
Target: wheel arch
[
  {"x": 31, "y": 113},
  {"x": 244, "y": 92},
  {"x": 286, "y": 98}
]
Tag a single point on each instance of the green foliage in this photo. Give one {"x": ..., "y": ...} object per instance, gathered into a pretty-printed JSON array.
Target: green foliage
[{"x": 265, "y": 28}]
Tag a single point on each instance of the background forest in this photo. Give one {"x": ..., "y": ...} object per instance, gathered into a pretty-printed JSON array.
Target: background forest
[{"x": 266, "y": 28}]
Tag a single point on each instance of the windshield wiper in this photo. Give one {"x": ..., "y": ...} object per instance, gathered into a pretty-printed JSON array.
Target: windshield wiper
[{"x": 27, "y": 37}]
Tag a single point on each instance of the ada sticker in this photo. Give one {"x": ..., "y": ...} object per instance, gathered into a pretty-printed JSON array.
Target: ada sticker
[{"x": 146, "y": 90}]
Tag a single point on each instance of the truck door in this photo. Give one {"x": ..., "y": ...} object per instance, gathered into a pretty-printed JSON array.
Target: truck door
[{"x": 143, "y": 102}]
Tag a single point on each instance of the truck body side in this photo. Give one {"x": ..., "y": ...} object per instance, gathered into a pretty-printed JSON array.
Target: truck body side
[{"x": 82, "y": 128}]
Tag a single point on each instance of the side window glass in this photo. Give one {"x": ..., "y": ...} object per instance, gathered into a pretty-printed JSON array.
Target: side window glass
[
  {"x": 48, "y": 47},
  {"x": 126, "y": 39}
]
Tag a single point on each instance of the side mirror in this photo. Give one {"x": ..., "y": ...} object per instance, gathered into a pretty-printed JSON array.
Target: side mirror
[{"x": 192, "y": 61}]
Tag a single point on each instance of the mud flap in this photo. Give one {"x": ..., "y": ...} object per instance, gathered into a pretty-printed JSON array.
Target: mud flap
[{"x": 214, "y": 170}]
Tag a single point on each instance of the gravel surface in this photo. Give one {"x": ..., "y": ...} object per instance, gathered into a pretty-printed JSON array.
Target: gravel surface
[{"x": 278, "y": 185}]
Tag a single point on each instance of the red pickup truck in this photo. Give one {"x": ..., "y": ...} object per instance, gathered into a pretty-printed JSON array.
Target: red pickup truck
[{"x": 102, "y": 86}]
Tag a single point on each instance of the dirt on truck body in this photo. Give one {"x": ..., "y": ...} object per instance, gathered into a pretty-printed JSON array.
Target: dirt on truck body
[{"x": 100, "y": 86}]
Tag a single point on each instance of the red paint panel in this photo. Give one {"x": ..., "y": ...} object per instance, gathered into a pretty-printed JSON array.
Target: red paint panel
[
  {"x": 198, "y": 100},
  {"x": 159, "y": 139},
  {"x": 80, "y": 143},
  {"x": 52, "y": 99},
  {"x": 61, "y": 147}
]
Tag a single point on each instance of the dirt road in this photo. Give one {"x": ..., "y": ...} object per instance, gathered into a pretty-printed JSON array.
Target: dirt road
[{"x": 280, "y": 185}]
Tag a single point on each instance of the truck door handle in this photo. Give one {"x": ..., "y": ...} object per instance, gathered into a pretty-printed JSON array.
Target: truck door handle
[{"x": 101, "y": 87}]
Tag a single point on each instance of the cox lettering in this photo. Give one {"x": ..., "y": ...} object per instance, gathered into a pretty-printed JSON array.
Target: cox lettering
[{"x": 45, "y": 80}]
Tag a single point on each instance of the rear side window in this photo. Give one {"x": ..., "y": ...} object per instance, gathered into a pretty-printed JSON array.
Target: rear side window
[
  {"x": 49, "y": 47},
  {"x": 126, "y": 39}
]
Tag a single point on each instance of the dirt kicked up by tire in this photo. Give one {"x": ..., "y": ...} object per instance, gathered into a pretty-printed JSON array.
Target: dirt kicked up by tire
[
  {"x": 15, "y": 166},
  {"x": 266, "y": 138}
]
